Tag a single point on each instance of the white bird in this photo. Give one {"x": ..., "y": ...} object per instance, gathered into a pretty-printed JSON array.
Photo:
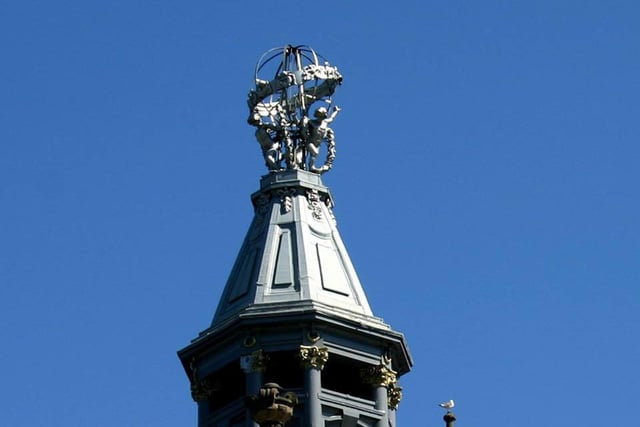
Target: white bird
[{"x": 447, "y": 405}]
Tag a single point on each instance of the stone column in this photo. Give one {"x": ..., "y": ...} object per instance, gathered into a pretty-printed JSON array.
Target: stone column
[
  {"x": 313, "y": 359},
  {"x": 253, "y": 365},
  {"x": 381, "y": 378}
]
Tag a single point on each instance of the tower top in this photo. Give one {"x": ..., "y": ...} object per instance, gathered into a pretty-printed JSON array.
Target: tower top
[
  {"x": 290, "y": 82},
  {"x": 293, "y": 302}
]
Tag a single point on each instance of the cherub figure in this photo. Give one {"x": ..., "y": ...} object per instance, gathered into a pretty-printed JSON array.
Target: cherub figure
[
  {"x": 315, "y": 131},
  {"x": 267, "y": 135},
  {"x": 270, "y": 148}
]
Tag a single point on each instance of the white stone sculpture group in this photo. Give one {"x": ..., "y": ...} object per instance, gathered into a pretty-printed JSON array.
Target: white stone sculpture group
[{"x": 280, "y": 109}]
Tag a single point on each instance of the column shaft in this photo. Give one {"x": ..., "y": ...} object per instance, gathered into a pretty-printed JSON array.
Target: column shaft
[
  {"x": 382, "y": 405},
  {"x": 314, "y": 406}
]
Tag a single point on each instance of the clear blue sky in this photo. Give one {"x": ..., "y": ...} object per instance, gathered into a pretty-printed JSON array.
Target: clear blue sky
[{"x": 486, "y": 186}]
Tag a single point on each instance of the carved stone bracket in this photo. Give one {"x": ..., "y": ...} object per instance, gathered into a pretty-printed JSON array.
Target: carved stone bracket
[
  {"x": 201, "y": 389},
  {"x": 286, "y": 198},
  {"x": 270, "y": 407},
  {"x": 313, "y": 356},
  {"x": 394, "y": 393},
  {"x": 379, "y": 375},
  {"x": 315, "y": 205}
]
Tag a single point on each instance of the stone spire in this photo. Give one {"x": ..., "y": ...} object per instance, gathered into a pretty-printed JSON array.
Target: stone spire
[{"x": 293, "y": 341}]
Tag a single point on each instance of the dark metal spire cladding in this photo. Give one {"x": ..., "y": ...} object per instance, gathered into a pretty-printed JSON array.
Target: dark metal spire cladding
[
  {"x": 293, "y": 257},
  {"x": 289, "y": 81}
]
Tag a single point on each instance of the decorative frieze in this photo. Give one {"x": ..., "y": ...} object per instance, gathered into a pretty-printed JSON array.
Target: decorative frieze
[
  {"x": 315, "y": 201},
  {"x": 313, "y": 356}
]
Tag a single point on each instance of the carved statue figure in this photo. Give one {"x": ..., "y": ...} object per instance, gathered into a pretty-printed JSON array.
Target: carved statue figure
[
  {"x": 315, "y": 131},
  {"x": 267, "y": 136},
  {"x": 270, "y": 148}
]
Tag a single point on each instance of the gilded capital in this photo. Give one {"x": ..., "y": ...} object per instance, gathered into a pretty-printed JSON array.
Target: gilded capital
[
  {"x": 379, "y": 375},
  {"x": 313, "y": 356},
  {"x": 254, "y": 362}
]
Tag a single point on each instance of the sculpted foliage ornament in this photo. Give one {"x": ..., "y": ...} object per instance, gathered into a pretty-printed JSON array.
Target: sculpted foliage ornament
[
  {"x": 379, "y": 375},
  {"x": 290, "y": 82},
  {"x": 313, "y": 356},
  {"x": 201, "y": 389},
  {"x": 394, "y": 392},
  {"x": 314, "y": 204}
]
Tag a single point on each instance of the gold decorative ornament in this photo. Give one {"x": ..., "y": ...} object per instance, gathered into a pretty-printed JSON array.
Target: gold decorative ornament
[
  {"x": 313, "y": 356},
  {"x": 394, "y": 394},
  {"x": 379, "y": 375}
]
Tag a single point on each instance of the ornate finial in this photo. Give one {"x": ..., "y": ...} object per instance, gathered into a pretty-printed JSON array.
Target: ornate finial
[{"x": 290, "y": 81}]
